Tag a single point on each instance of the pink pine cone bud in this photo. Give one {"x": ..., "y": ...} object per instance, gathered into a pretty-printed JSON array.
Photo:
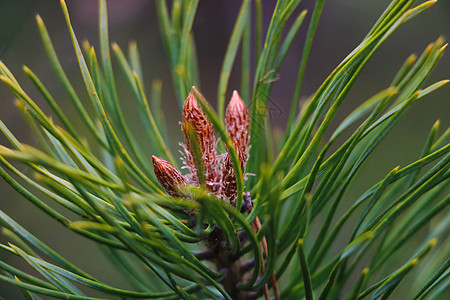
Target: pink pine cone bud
[
  {"x": 170, "y": 179},
  {"x": 194, "y": 117},
  {"x": 237, "y": 123},
  {"x": 198, "y": 129}
]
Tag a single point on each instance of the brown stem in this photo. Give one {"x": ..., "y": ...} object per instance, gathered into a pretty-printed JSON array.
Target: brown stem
[
  {"x": 276, "y": 291},
  {"x": 226, "y": 261},
  {"x": 256, "y": 225}
]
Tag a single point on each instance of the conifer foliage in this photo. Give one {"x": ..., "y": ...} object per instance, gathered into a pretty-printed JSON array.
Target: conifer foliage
[{"x": 246, "y": 216}]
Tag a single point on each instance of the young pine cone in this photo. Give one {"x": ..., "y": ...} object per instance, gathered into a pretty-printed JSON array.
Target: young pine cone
[{"x": 219, "y": 181}]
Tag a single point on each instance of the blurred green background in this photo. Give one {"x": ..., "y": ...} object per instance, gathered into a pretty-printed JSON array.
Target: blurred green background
[{"x": 343, "y": 25}]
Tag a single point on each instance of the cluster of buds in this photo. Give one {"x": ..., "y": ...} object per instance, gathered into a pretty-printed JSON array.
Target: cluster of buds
[{"x": 219, "y": 174}]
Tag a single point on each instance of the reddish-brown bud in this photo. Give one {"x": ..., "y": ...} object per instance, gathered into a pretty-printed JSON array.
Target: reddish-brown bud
[
  {"x": 196, "y": 119},
  {"x": 237, "y": 123},
  {"x": 170, "y": 179}
]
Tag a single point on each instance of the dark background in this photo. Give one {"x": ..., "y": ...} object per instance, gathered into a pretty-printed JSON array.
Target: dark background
[{"x": 343, "y": 25}]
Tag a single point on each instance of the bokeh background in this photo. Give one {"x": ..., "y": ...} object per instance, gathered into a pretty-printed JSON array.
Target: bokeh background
[{"x": 343, "y": 25}]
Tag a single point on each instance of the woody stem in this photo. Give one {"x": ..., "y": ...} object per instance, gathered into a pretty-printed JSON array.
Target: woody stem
[{"x": 228, "y": 262}]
